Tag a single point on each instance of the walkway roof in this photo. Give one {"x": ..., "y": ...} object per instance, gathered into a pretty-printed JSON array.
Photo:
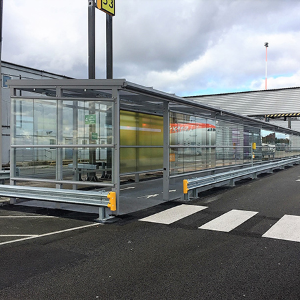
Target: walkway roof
[{"x": 139, "y": 98}]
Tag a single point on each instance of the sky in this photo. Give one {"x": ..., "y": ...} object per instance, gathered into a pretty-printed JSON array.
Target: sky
[{"x": 186, "y": 47}]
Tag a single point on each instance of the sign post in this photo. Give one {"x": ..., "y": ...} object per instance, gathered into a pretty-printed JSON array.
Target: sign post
[
  {"x": 108, "y": 6},
  {"x": 91, "y": 40}
]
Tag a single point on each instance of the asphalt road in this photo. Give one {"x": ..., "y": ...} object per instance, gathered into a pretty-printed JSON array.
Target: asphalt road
[{"x": 54, "y": 255}]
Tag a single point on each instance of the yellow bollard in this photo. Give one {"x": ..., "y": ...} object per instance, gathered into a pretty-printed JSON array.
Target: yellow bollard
[
  {"x": 112, "y": 201},
  {"x": 185, "y": 186}
]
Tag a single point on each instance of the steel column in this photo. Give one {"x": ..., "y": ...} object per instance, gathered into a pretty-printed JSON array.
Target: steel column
[
  {"x": 91, "y": 39},
  {"x": 116, "y": 151},
  {"x": 59, "y": 128},
  {"x": 166, "y": 151},
  {"x": 109, "y": 47}
]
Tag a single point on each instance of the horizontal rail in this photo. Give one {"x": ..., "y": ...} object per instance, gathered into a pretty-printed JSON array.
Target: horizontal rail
[
  {"x": 75, "y": 146},
  {"x": 90, "y": 183},
  {"x": 195, "y": 185},
  {"x": 101, "y": 199}
]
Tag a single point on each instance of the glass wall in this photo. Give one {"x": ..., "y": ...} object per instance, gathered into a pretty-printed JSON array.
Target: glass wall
[
  {"x": 192, "y": 143},
  {"x": 72, "y": 140},
  {"x": 74, "y": 134},
  {"x": 200, "y": 143},
  {"x": 141, "y": 142}
]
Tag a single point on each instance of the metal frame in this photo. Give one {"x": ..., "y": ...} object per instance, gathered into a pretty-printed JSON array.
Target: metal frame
[{"x": 126, "y": 96}]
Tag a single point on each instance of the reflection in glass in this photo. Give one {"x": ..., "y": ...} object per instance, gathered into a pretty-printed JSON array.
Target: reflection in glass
[{"x": 37, "y": 163}]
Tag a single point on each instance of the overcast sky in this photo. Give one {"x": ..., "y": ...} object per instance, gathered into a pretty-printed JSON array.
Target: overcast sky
[{"x": 187, "y": 47}]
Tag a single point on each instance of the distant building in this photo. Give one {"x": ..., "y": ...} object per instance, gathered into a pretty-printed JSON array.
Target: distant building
[
  {"x": 14, "y": 71},
  {"x": 277, "y": 106}
]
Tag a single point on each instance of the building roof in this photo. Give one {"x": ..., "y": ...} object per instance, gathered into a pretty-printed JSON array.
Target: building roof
[
  {"x": 9, "y": 65},
  {"x": 256, "y": 103}
]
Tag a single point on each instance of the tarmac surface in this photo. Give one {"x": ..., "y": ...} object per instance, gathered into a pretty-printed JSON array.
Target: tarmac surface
[{"x": 156, "y": 254}]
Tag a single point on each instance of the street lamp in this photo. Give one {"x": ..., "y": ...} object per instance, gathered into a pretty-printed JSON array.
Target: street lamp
[{"x": 266, "y": 45}]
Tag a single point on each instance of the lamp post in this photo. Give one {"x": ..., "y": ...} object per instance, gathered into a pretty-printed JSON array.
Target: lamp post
[{"x": 266, "y": 80}]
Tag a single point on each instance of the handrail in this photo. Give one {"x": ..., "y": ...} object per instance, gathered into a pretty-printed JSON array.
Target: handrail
[
  {"x": 195, "y": 185},
  {"x": 101, "y": 199}
]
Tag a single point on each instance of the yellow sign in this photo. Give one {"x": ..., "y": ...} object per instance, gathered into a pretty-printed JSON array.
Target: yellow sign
[
  {"x": 172, "y": 157},
  {"x": 108, "y": 6}
]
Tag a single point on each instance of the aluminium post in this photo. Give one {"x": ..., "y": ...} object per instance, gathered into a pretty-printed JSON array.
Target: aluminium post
[{"x": 166, "y": 151}]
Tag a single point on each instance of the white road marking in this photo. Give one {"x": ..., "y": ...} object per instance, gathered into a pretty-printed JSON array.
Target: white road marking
[
  {"x": 127, "y": 188},
  {"x": 173, "y": 214},
  {"x": 152, "y": 196},
  {"x": 49, "y": 233},
  {"x": 229, "y": 220},
  {"x": 13, "y": 235},
  {"x": 287, "y": 228},
  {"x": 148, "y": 196},
  {"x": 12, "y": 217}
]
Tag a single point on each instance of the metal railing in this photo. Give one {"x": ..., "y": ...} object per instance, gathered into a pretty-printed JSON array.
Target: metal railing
[
  {"x": 101, "y": 199},
  {"x": 4, "y": 175},
  {"x": 191, "y": 187}
]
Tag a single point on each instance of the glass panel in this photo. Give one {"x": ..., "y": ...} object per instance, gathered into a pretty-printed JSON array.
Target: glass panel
[
  {"x": 83, "y": 122},
  {"x": 211, "y": 132},
  {"x": 149, "y": 159},
  {"x": 128, "y": 160},
  {"x": 80, "y": 168},
  {"x": 177, "y": 129},
  {"x": 211, "y": 157},
  {"x": 23, "y": 111},
  {"x": 139, "y": 129},
  {"x": 268, "y": 144},
  {"x": 157, "y": 158},
  {"x": 282, "y": 145},
  {"x": 294, "y": 144},
  {"x": 220, "y": 156},
  {"x": 173, "y": 161},
  {"x": 189, "y": 159},
  {"x": 44, "y": 121},
  {"x": 87, "y": 122},
  {"x": 128, "y": 132},
  {"x": 157, "y": 135},
  {"x": 144, "y": 159},
  {"x": 36, "y": 163}
]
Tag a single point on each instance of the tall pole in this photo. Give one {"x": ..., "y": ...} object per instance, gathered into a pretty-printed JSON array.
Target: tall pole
[
  {"x": 91, "y": 39},
  {"x": 92, "y": 75},
  {"x": 109, "y": 47},
  {"x": 109, "y": 75},
  {"x": 266, "y": 80}
]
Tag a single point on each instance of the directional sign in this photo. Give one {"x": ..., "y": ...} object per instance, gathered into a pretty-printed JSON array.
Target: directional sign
[
  {"x": 94, "y": 136},
  {"x": 90, "y": 119},
  {"x": 108, "y": 6}
]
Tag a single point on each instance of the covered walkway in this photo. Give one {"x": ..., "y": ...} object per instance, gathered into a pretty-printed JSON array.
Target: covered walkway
[{"x": 97, "y": 134}]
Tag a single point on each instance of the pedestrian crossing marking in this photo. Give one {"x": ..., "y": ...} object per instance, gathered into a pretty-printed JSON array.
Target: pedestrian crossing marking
[
  {"x": 229, "y": 220},
  {"x": 173, "y": 214},
  {"x": 287, "y": 228}
]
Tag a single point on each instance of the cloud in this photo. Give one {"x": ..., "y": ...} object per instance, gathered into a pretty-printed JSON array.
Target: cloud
[{"x": 186, "y": 47}]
